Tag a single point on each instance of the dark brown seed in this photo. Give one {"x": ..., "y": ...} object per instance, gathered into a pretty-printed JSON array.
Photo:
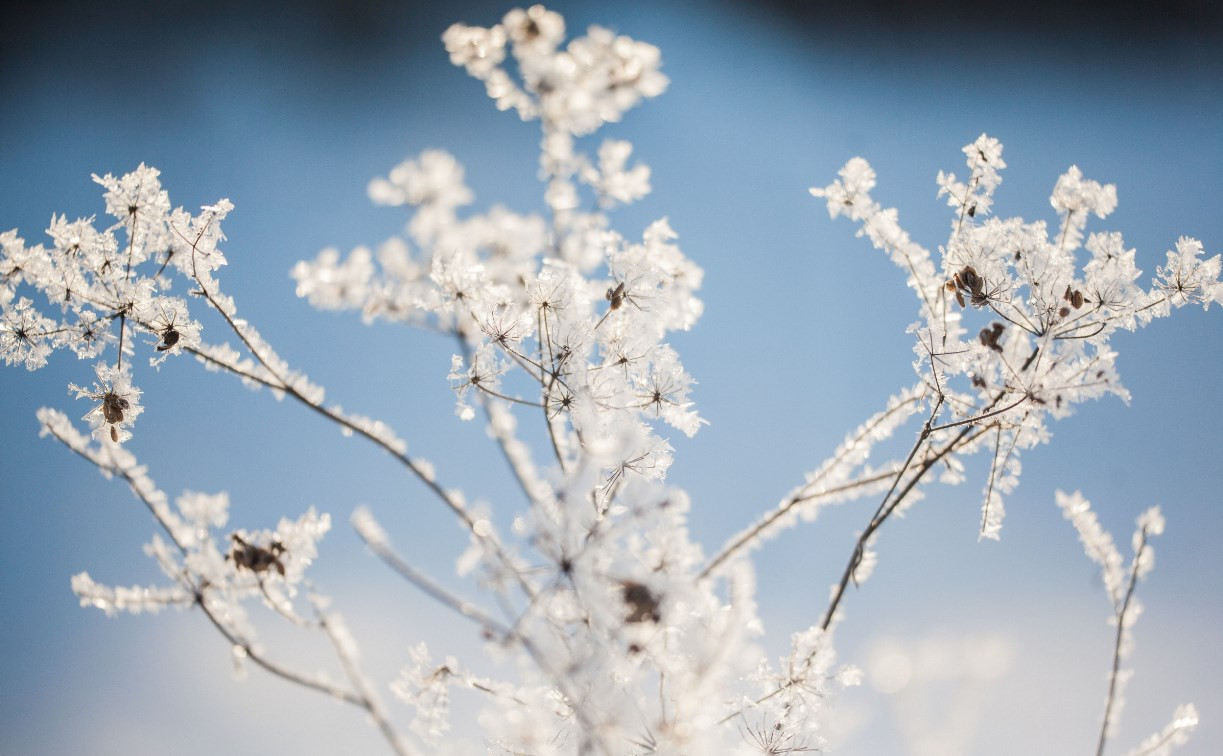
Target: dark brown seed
[
  {"x": 168, "y": 340},
  {"x": 113, "y": 406},
  {"x": 642, "y": 603}
]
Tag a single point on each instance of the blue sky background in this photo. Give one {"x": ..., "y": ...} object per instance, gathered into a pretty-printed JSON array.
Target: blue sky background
[{"x": 289, "y": 116}]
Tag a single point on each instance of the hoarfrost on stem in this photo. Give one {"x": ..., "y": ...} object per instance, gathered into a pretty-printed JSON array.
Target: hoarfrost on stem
[{"x": 1119, "y": 583}]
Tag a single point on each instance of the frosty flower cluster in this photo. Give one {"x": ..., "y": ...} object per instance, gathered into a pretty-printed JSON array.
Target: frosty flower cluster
[
  {"x": 558, "y": 312},
  {"x": 217, "y": 574},
  {"x": 624, "y": 637},
  {"x": 592, "y": 81},
  {"x": 1010, "y": 327},
  {"x": 109, "y": 289}
]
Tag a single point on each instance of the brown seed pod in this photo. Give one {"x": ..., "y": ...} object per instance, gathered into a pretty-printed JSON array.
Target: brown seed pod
[
  {"x": 968, "y": 281},
  {"x": 1075, "y": 297},
  {"x": 989, "y": 336},
  {"x": 113, "y": 406},
  {"x": 168, "y": 339},
  {"x": 616, "y": 296},
  {"x": 256, "y": 558},
  {"x": 642, "y": 603}
]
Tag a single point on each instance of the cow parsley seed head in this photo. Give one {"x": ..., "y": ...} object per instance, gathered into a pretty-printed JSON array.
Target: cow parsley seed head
[
  {"x": 25, "y": 335},
  {"x": 435, "y": 178},
  {"x": 576, "y": 89},
  {"x": 140, "y": 207},
  {"x": 425, "y": 686},
  {"x": 1187, "y": 279},
  {"x": 482, "y": 374},
  {"x": 1011, "y": 332},
  {"x": 851, "y": 192},
  {"x": 534, "y": 31},
  {"x": 170, "y": 323},
  {"x": 77, "y": 238},
  {"x": 287, "y": 551},
  {"x": 478, "y": 50},
  {"x": 612, "y": 179},
  {"x": 118, "y": 403}
]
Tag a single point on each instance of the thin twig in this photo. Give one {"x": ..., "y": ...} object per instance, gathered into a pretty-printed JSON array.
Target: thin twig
[
  {"x": 885, "y": 509},
  {"x": 806, "y": 493},
  {"x": 963, "y": 438},
  {"x": 1121, "y": 612},
  {"x": 260, "y": 660},
  {"x": 200, "y": 591},
  {"x": 368, "y": 700},
  {"x": 982, "y": 416},
  {"x": 881, "y": 514},
  {"x": 430, "y": 587},
  {"x": 784, "y": 508},
  {"x": 499, "y": 434}
]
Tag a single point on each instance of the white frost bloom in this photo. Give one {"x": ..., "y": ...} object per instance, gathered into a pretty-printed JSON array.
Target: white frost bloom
[
  {"x": 1044, "y": 327},
  {"x": 118, "y": 402}
]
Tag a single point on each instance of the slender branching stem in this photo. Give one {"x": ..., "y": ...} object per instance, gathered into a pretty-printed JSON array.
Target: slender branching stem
[
  {"x": 131, "y": 483},
  {"x": 810, "y": 490},
  {"x": 249, "y": 652},
  {"x": 749, "y": 536},
  {"x": 506, "y": 397},
  {"x": 881, "y": 514},
  {"x": 279, "y": 383},
  {"x": 499, "y": 433},
  {"x": 886, "y": 508},
  {"x": 1119, "y": 639},
  {"x": 131, "y": 243},
  {"x": 433, "y": 590},
  {"x": 973, "y": 180},
  {"x": 1010, "y": 320},
  {"x": 555, "y": 444},
  {"x": 368, "y": 700},
  {"x": 200, "y": 592},
  {"x": 966, "y": 436},
  {"x": 978, "y": 418}
]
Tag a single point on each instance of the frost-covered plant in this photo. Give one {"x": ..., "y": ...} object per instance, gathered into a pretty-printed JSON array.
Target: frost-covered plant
[
  {"x": 1119, "y": 584},
  {"x": 627, "y": 638}
]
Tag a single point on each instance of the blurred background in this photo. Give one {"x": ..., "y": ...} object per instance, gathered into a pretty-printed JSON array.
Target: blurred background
[{"x": 969, "y": 648}]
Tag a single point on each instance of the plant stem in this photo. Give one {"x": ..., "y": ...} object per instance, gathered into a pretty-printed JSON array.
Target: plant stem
[{"x": 1110, "y": 702}]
